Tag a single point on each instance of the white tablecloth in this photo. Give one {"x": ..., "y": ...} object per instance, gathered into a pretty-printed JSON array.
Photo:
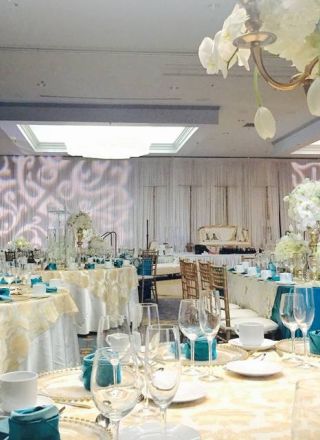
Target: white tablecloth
[
  {"x": 229, "y": 260},
  {"x": 248, "y": 292}
]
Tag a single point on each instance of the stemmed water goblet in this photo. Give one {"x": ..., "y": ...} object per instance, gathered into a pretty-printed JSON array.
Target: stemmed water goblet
[
  {"x": 115, "y": 386},
  {"x": 144, "y": 315},
  {"x": 303, "y": 309},
  {"x": 189, "y": 324},
  {"x": 288, "y": 319},
  {"x": 210, "y": 315},
  {"x": 163, "y": 368}
]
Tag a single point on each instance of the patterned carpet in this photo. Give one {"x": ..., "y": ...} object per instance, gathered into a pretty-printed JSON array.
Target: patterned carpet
[{"x": 168, "y": 313}]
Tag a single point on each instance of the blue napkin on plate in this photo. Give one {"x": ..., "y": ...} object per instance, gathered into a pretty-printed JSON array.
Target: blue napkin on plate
[
  {"x": 51, "y": 289},
  {"x": 314, "y": 341},
  {"x": 5, "y": 294},
  {"x": 89, "y": 266},
  {"x": 105, "y": 372},
  {"x": 36, "y": 280},
  {"x": 201, "y": 352},
  {"x": 3, "y": 281},
  {"x": 118, "y": 263},
  {"x": 51, "y": 266},
  {"x": 37, "y": 423}
]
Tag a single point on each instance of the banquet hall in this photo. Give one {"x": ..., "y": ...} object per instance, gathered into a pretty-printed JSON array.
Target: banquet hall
[{"x": 160, "y": 219}]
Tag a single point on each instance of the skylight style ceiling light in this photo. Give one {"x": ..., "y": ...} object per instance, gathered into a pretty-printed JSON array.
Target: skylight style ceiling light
[
  {"x": 287, "y": 28},
  {"x": 311, "y": 149},
  {"x": 106, "y": 142}
]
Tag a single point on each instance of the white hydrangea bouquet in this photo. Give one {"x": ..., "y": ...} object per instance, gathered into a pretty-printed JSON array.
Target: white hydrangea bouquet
[
  {"x": 304, "y": 204},
  {"x": 290, "y": 245},
  {"x": 97, "y": 246},
  {"x": 19, "y": 243},
  {"x": 81, "y": 220}
]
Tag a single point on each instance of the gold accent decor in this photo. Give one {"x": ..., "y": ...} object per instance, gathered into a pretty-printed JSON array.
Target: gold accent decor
[{"x": 314, "y": 239}]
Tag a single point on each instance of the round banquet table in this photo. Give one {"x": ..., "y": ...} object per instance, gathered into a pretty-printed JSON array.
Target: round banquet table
[
  {"x": 235, "y": 408},
  {"x": 38, "y": 334},
  {"x": 98, "y": 292}
]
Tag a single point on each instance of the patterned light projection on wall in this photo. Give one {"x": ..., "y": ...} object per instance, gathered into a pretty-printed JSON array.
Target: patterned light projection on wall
[{"x": 30, "y": 185}]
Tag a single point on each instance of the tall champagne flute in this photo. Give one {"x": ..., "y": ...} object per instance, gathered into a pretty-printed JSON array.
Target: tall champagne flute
[
  {"x": 163, "y": 367},
  {"x": 115, "y": 386},
  {"x": 189, "y": 324},
  {"x": 144, "y": 315},
  {"x": 210, "y": 315},
  {"x": 303, "y": 309},
  {"x": 288, "y": 319}
]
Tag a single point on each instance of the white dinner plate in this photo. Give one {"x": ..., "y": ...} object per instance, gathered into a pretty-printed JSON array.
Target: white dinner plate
[
  {"x": 286, "y": 283},
  {"x": 41, "y": 401},
  {"x": 152, "y": 431},
  {"x": 254, "y": 368},
  {"x": 189, "y": 391},
  {"x": 266, "y": 344}
]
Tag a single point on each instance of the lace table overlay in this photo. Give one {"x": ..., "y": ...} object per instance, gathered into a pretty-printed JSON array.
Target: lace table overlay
[
  {"x": 250, "y": 293},
  {"x": 113, "y": 286},
  {"x": 24, "y": 319},
  {"x": 236, "y": 407}
]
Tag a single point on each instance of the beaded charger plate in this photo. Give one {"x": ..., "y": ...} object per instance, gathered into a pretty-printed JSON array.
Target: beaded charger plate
[
  {"x": 71, "y": 428},
  {"x": 285, "y": 346},
  {"x": 63, "y": 385},
  {"x": 225, "y": 354}
]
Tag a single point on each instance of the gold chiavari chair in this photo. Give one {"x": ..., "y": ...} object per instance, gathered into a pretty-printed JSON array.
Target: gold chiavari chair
[
  {"x": 189, "y": 279},
  {"x": 205, "y": 275}
]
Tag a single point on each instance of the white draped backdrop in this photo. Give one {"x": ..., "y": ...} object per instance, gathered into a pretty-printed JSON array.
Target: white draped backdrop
[{"x": 176, "y": 195}]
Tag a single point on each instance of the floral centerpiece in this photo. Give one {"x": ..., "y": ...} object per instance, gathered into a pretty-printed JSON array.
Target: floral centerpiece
[
  {"x": 289, "y": 246},
  {"x": 304, "y": 204},
  {"x": 295, "y": 23},
  {"x": 96, "y": 246},
  {"x": 20, "y": 244},
  {"x": 81, "y": 220}
]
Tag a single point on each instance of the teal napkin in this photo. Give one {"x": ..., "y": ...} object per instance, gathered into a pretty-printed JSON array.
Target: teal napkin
[
  {"x": 275, "y": 278},
  {"x": 38, "y": 423},
  {"x": 89, "y": 266},
  {"x": 5, "y": 294},
  {"x": 314, "y": 341},
  {"x": 51, "y": 266},
  {"x": 51, "y": 289},
  {"x": 36, "y": 281},
  {"x": 118, "y": 263},
  {"x": 105, "y": 372},
  {"x": 3, "y": 281},
  {"x": 201, "y": 349}
]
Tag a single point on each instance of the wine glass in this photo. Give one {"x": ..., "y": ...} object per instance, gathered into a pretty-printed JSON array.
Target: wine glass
[
  {"x": 288, "y": 319},
  {"x": 210, "y": 315},
  {"x": 305, "y": 414},
  {"x": 303, "y": 309},
  {"x": 144, "y": 314},
  {"x": 115, "y": 386},
  {"x": 163, "y": 367},
  {"x": 189, "y": 325},
  {"x": 114, "y": 332}
]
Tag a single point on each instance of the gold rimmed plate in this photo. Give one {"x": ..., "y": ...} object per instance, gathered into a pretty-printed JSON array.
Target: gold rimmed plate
[
  {"x": 285, "y": 346},
  {"x": 225, "y": 353},
  {"x": 72, "y": 427},
  {"x": 63, "y": 385}
]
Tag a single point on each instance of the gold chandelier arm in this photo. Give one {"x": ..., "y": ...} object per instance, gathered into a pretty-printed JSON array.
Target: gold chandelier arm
[{"x": 295, "y": 82}]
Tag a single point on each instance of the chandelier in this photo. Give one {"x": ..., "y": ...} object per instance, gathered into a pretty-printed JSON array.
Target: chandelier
[{"x": 287, "y": 28}]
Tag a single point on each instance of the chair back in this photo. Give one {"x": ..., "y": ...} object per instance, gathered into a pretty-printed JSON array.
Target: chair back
[
  {"x": 153, "y": 257},
  {"x": 189, "y": 279},
  {"x": 205, "y": 275},
  {"x": 10, "y": 255},
  {"x": 220, "y": 283}
]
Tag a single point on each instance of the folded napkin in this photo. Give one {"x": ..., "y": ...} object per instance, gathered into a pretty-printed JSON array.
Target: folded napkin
[
  {"x": 314, "y": 341},
  {"x": 38, "y": 423},
  {"x": 105, "y": 372},
  {"x": 51, "y": 266},
  {"x": 3, "y": 281},
  {"x": 89, "y": 266},
  {"x": 118, "y": 263},
  {"x": 201, "y": 351},
  {"x": 275, "y": 278},
  {"x": 36, "y": 280},
  {"x": 51, "y": 289},
  {"x": 5, "y": 294}
]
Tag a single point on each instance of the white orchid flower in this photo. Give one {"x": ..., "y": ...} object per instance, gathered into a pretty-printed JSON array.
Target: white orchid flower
[
  {"x": 313, "y": 97},
  {"x": 265, "y": 123}
]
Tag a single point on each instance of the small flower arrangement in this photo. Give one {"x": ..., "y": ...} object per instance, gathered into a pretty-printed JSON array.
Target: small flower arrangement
[
  {"x": 290, "y": 245},
  {"x": 96, "y": 246},
  {"x": 81, "y": 220},
  {"x": 19, "y": 243},
  {"x": 304, "y": 204}
]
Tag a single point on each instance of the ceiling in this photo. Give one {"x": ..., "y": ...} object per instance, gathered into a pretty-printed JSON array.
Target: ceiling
[{"x": 104, "y": 53}]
